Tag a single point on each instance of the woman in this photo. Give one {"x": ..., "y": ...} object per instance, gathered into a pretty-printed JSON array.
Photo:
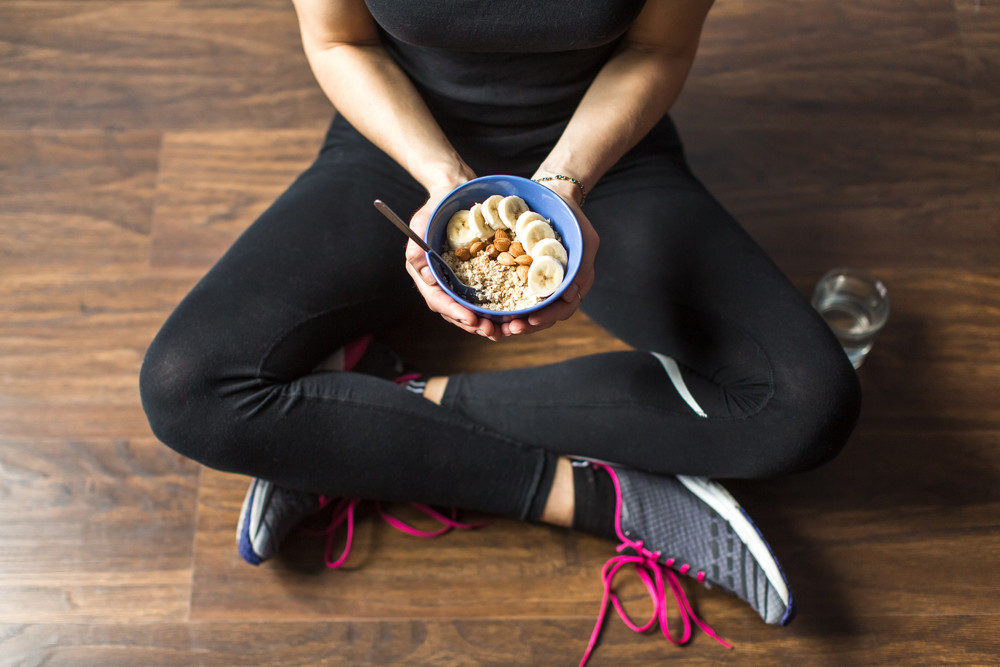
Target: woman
[{"x": 576, "y": 96}]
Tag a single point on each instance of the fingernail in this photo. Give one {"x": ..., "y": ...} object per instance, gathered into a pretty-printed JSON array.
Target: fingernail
[{"x": 481, "y": 333}]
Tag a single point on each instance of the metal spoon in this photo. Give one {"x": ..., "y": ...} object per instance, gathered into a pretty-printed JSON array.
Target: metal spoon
[{"x": 470, "y": 294}]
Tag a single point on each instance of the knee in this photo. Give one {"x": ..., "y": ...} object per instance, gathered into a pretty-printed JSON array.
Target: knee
[
  {"x": 822, "y": 402},
  {"x": 175, "y": 388}
]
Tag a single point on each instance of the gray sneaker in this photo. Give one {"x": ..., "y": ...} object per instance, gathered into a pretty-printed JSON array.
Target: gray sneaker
[
  {"x": 701, "y": 531},
  {"x": 269, "y": 513}
]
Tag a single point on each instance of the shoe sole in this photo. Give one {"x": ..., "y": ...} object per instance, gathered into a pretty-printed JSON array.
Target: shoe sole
[
  {"x": 252, "y": 505},
  {"x": 720, "y": 500}
]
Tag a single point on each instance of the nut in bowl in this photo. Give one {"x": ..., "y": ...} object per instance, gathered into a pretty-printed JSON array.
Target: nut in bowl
[{"x": 522, "y": 260}]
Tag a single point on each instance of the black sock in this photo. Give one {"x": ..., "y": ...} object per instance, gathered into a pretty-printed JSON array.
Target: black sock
[{"x": 593, "y": 501}]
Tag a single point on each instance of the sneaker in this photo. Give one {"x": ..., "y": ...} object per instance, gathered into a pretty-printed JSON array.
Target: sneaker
[
  {"x": 694, "y": 527},
  {"x": 269, "y": 513}
]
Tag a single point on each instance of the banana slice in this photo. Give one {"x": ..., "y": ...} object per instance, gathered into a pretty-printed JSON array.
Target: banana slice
[
  {"x": 490, "y": 211},
  {"x": 478, "y": 221},
  {"x": 464, "y": 228},
  {"x": 533, "y": 232},
  {"x": 550, "y": 248},
  {"x": 524, "y": 219},
  {"x": 544, "y": 276},
  {"x": 510, "y": 208}
]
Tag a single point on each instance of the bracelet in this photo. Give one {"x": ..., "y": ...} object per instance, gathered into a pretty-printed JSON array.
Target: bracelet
[{"x": 560, "y": 177}]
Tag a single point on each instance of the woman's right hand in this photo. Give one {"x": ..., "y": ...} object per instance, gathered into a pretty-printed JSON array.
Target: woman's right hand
[{"x": 437, "y": 299}]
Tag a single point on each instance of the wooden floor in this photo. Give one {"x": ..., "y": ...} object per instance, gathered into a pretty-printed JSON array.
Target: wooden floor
[{"x": 139, "y": 137}]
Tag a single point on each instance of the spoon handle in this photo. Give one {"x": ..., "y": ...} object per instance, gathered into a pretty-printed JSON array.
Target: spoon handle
[{"x": 403, "y": 227}]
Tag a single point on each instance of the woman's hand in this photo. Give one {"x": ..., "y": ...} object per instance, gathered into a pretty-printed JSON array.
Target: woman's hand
[
  {"x": 437, "y": 299},
  {"x": 570, "y": 300}
]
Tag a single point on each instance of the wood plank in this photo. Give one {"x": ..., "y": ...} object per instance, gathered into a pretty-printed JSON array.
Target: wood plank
[
  {"x": 979, "y": 26},
  {"x": 787, "y": 94},
  {"x": 794, "y": 148},
  {"x": 871, "y": 56},
  {"x": 94, "y": 529},
  {"x": 214, "y": 184},
  {"x": 914, "y": 225},
  {"x": 155, "y": 63},
  {"x": 75, "y": 199},
  {"x": 964, "y": 639},
  {"x": 71, "y": 345}
]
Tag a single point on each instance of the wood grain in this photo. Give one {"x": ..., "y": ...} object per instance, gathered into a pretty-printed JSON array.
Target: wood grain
[
  {"x": 927, "y": 224},
  {"x": 965, "y": 639},
  {"x": 71, "y": 345},
  {"x": 214, "y": 184},
  {"x": 75, "y": 199},
  {"x": 166, "y": 64},
  {"x": 889, "y": 640},
  {"x": 855, "y": 57},
  {"x": 95, "y": 530},
  {"x": 979, "y": 26},
  {"x": 787, "y": 94}
]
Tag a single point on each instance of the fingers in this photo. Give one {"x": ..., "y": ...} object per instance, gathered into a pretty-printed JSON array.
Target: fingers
[
  {"x": 415, "y": 256},
  {"x": 417, "y": 261},
  {"x": 438, "y": 301},
  {"x": 452, "y": 311},
  {"x": 483, "y": 328}
]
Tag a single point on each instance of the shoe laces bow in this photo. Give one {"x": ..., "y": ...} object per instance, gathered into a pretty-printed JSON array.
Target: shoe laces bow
[{"x": 654, "y": 576}]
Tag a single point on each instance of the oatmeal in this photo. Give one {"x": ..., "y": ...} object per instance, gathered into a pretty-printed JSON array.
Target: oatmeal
[
  {"x": 506, "y": 251},
  {"x": 500, "y": 285}
]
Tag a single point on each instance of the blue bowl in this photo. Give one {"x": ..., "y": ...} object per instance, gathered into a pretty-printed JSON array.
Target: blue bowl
[{"x": 538, "y": 198}]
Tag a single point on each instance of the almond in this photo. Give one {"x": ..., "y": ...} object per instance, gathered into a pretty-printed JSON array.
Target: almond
[
  {"x": 516, "y": 249},
  {"x": 492, "y": 251},
  {"x": 463, "y": 254},
  {"x": 476, "y": 247},
  {"x": 501, "y": 235},
  {"x": 506, "y": 259},
  {"x": 523, "y": 260},
  {"x": 502, "y": 244},
  {"x": 522, "y": 273}
]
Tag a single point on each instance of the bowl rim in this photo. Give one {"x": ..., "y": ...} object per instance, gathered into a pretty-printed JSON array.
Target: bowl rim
[{"x": 567, "y": 280}]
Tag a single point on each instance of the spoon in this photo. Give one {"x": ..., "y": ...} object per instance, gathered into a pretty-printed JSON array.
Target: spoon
[{"x": 470, "y": 294}]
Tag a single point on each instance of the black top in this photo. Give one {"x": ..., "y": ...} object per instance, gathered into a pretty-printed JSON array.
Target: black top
[{"x": 483, "y": 65}]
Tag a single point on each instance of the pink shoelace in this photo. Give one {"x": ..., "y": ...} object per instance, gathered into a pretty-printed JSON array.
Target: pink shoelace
[
  {"x": 344, "y": 511},
  {"x": 654, "y": 576}
]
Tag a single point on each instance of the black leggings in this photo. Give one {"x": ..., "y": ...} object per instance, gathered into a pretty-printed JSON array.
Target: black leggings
[{"x": 228, "y": 380}]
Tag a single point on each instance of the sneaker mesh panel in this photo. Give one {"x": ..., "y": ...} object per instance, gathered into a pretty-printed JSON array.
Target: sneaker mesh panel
[{"x": 661, "y": 512}]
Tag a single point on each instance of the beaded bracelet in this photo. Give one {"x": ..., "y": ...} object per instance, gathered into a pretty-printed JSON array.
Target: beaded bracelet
[{"x": 560, "y": 177}]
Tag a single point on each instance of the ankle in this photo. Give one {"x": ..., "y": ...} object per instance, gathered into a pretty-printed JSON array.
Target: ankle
[
  {"x": 561, "y": 503},
  {"x": 434, "y": 390}
]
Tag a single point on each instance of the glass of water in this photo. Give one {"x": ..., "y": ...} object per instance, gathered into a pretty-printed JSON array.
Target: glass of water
[{"x": 856, "y": 305}]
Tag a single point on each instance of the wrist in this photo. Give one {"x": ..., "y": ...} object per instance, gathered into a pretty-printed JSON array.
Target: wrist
[
  {"x": 565, "y": 185},
  {"x": 446, "y": 177}
]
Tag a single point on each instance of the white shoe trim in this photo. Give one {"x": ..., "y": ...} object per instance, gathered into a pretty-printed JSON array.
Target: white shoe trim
[
  {"x": 261, "y": 495},
  {"x": 720, "y": 500},
  {"x": 244, "y": 508},
  {"x": 674, "y": 373}
]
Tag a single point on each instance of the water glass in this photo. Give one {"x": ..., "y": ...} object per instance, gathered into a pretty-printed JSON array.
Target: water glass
[{"x": 856, "y": 305}]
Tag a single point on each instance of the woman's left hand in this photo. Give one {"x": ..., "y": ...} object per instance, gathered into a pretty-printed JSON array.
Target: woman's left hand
[{"x": 570, "y": 299}]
